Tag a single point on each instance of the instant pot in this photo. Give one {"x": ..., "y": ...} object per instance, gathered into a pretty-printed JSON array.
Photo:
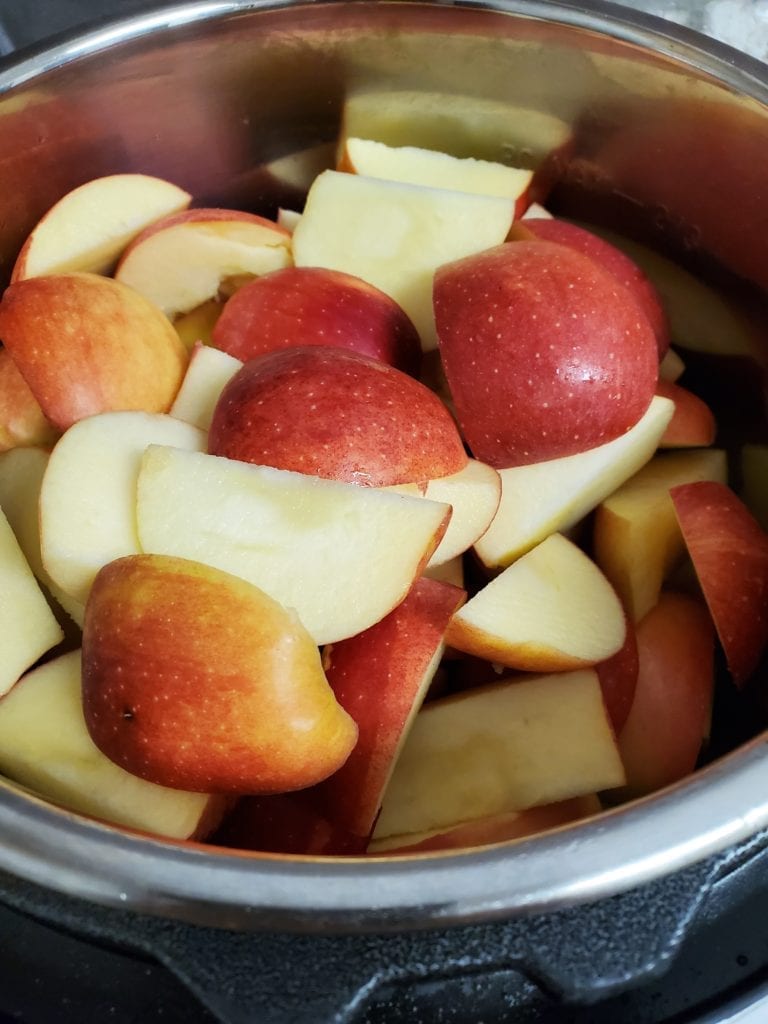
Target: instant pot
[{"x": 653, "y": 912}]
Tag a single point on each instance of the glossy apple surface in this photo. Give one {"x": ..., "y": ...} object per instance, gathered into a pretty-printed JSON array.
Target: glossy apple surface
[{"x": 22, "y": 421}]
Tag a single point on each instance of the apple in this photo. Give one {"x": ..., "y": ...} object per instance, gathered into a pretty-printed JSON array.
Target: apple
[
  {"x": 610, "y": 258},
  {"x": 536, "y": 212},
  {"x": 22, "y": 421},
  {"x": 499, "y": 828},
  {"x": 451, "y": 571},
  {"x": 90, "y": 226},
  {"x": 86, "y": 344},
  {"x": 335, "y": 414},
  {"x": 343, "y": 556},
  {"x": 209, "y": 371},
  {"x": 754, "y": 481},
  {"x": 380, "y": 677},
  {"x": 636, "y": 540},
  {"x": 692, "y": 424},
  {"x": 567, "y": 363},
  {"x": 196, "y": 679},
  {"x": 45, "y": 746},
  {"x": 300, "y": 306},
  {"x": 416, "y": 166},
  {"x": 197, "y": 325},
  {"x": 550, "y": 611},
  {"x": 395, "y": 235},
  {"x": 501, "y": 748},
  {"x": 473, "y": 493},
  {"x": 288, "y": 219},
  {"x": 28, "y": 627},
  {"x": 618, "y": 678},
  {"x": 671, "y": 367},
  {"x": 729, "y": 551},
  {"x": 88, "y": 492},
  {"x": 550, "y": 497},
  {"x": 662, "y": 737},
  {"x": 179, "y": 262}
]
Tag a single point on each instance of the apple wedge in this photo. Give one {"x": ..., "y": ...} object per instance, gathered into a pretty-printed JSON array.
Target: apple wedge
[
  {"x": 551, "y": 497},
  {"x": 729, "y": 551},
  {"x": 178, "y": 263},
  {"x": 618, "y": 678},
  {"x": 395, "y": 235},
  {"x": 208, "y": 372},
  {"x": 501, "y": 748},
  {"x": 89, "y": 228},
  {"x": 86, "y": 344},
  {"x": 195, "y": 679},
  {"x": 28, "y": 627},
  {"x": 551, "y": 611},
  {"x": 662, "y": 737},
  {"x": 45, "y": 746},
  {"x": 692, "y": 425},
  {"x": 671, "y": 367},
  {"x": 342, "y": 556},
  {"x": 196, "y": 326},
  {"x": 22, "y": 421},
  {"x": 88, "y": 494},
  {"x": 637, "y": 540},
  {"x": 381, "y": 677},
  {"x": 415, "y": 166},
  {"x": 473, "y": 493},
  {"x": 447, "y": 572}
]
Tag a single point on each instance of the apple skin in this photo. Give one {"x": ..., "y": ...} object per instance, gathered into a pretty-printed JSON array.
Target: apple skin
[
  {"x": 729, "y": 551},
  {"x": 692, "y": 424},
  {"x": 197, "y": 680},
  {"x": 618, "y": 678},
  {"x": 662, "y": 736},
  {"x": 380, "y": 677},
  {"x": 86, "y": 344},
  {"x": 315, "y": 306},
  {"x": 22, "y": 421},
  {"x": 335, "y": 414},
  {"x": 543, "y": 355},
  {"x": 550, "y": 229}
]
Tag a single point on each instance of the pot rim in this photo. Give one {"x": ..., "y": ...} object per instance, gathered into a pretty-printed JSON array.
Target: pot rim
[{"x": 722, "y": 805}]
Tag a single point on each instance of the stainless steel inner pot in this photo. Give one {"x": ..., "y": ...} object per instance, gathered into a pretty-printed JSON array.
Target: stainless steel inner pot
[{"x": 208, "y": 94}]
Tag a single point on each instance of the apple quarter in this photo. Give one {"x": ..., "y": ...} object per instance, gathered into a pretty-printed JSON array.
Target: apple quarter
[{"x": 208, "y": 371}]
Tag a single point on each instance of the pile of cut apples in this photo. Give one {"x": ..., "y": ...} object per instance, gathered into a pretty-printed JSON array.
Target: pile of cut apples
[{"x": 384, "y": 527}]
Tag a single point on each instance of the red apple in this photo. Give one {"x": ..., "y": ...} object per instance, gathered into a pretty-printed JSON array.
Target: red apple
[
  {"x": 610, "y": 258},
  {"x": 22, "y": 421},
  {"x": 335, "y": 414},
  {"x": 618, "y": 679},
  {"x": 729, "y": 551},
  {"x": 692, "y": 424},
  {"x": 543, "y": 354},
  {"x": 314, "y": 306},
  {"x": 380, "y": 677}
]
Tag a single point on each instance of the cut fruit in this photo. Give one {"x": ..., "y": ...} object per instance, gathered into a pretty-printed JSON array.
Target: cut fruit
[
  {"x": 551, "y": 497},
  {"x": 501, "y": 748},
  {"x": 88, "y": 496},
  {"x": 197, "y": 325},
  {"x": 395, "y": 236},
  {"x": 208, "y": 372},
  {"x": 342, "y": 556},
  {"x": 692, "y": 425},
  {"x": 45, "y": 746},
  {"x": 551, "y": 611},
  {"x": 637, "y": 540},
  {"x": 671, "y": 367},
  {"x": 22, "y": 421}
]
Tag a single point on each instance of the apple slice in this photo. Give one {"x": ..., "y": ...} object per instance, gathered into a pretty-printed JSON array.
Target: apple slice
[
  {"x": 343, "y": 556},
  {"x": 86, "y": 344},
  {"x": 381, "y": 677},
  {"x": 536, "y": 212},
  {"x": 335, "y": 414},
  {"x": 662, "y": 737},
  {"x": 45, "y": 746},
  {"x": 196, "y": 326},
  {"x": 89, "y": 228},
  {"x": 395, "y": 235},
  {"x": 550, "y": 611},
  {"x": 551, "y": 497},
  {"x": 544, "y": 355},
  {"x": 21, "y": 479},
  {"x": 196, "y": 679},
  {"x": 22, "y": 421},
  {"x": 500, "y": 828},
  {"x": 208, "y": 372},
  {"x": 473, "y": 493},
  {"x": 88, "y": 495},
  {"x": 618, "y": 679},
  {"x": 28, "y": 627},
  {"x": 671, "y": 367},
  {"x": 178, "y": 263},
  {"x": 692, "y": 425},
  {"x": 415, "y": 166},
  {"x": 300, "y": 306},
  {"x": 637, "y": 541},
  {"x": 499, "y": 749},
  {"x": 288, "y": 219},
  {"x": 729, "y": 551}
]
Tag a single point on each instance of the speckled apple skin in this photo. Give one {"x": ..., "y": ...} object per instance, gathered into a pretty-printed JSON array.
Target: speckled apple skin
[
  {"x": 544, "y": 354},
  {"x": 335, "y": 414}
]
